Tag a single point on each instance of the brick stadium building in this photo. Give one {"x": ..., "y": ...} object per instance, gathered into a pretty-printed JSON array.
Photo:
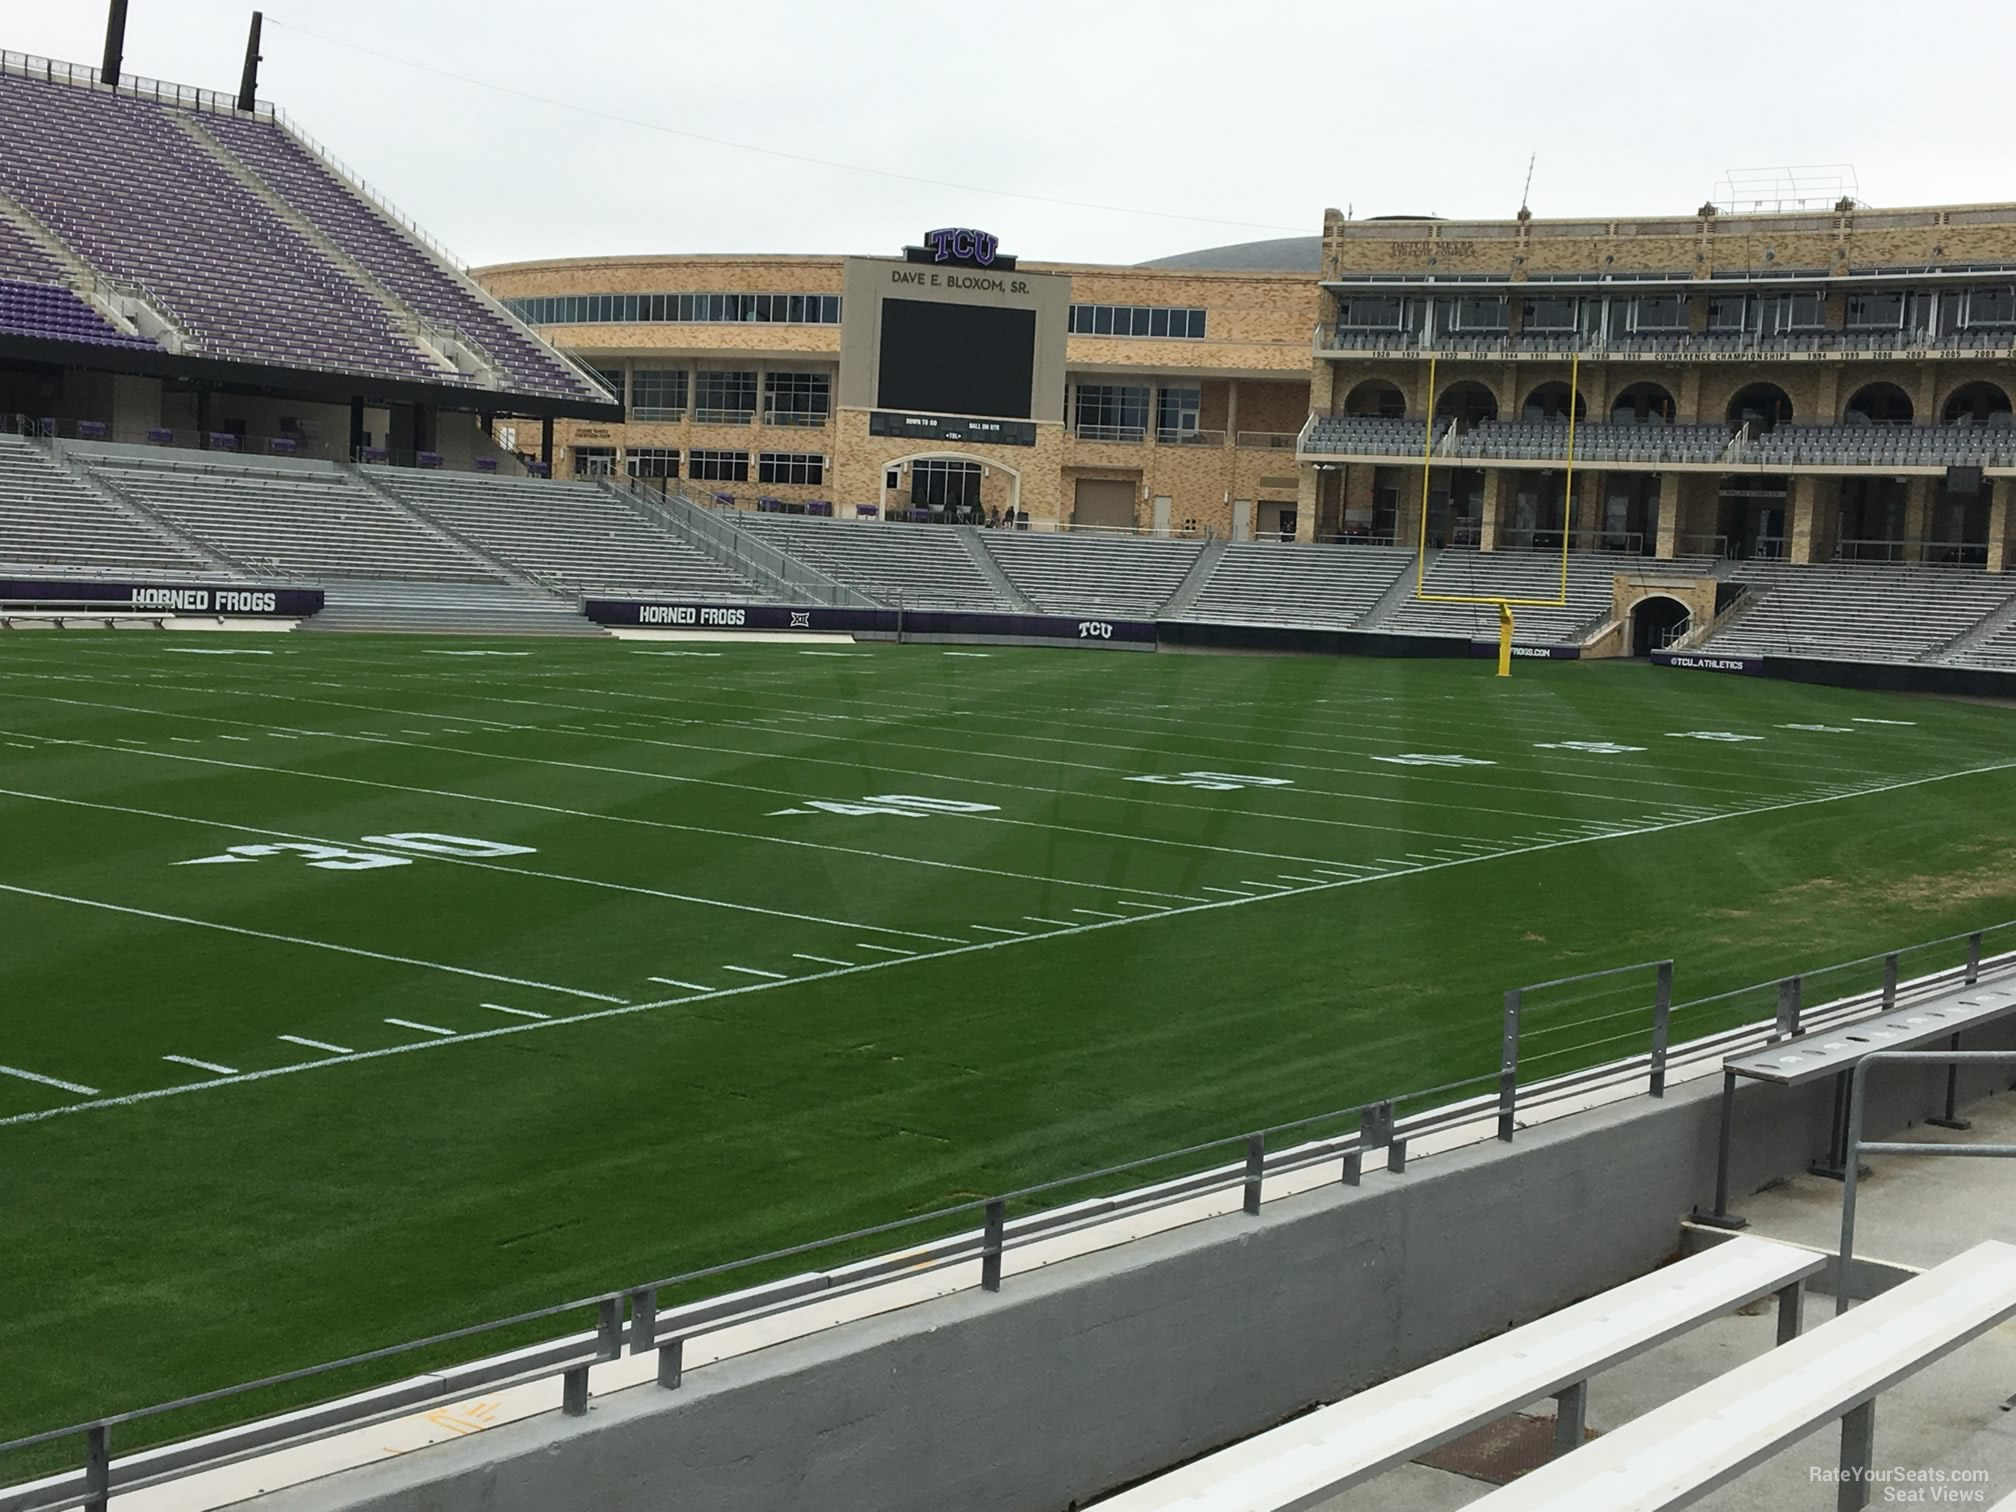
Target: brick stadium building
[{"x": 1810, "y": 386}]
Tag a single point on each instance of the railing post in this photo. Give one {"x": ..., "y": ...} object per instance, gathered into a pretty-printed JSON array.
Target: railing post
[
  {"x": 1973, "y": 958},
  {"x": 574, "y": 1392},
  {"x": 671, "y": 1363},
  {"x": 1508, "y": 1068},
  {"x": 1662, "y": 1015},
  {"x": 609, "y": 1328},
  {"x": 1722, "y": 1217},
  {"x": 1951, "y": 1118},
  {"x": 643, "y": 1319},
  {"x": 97, "y": 1467},
  {"x": 1788, "y": 1007},
  {"x": 1890, "y": 981},
  {"x": 1256, "y": 1172},
  {"x": 990, "y": 1246}
]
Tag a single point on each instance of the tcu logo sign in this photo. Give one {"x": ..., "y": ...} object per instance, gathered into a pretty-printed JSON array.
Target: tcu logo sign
[{"x": 962, "y": 244}]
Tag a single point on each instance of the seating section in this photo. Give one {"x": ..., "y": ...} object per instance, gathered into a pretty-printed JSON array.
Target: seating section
[
  {"x": 1089, "y": 574},
  {"x": 56, "y": 314},
  {"x": 49, "y": 522},
  {"x": 306, "y": 184},
  {"x": 119, "y": 180},
  {"x": 1846, "y": 612},
  {"x": 575, "y": 536},
  {"x": 1280, "y": 584},
  {"x": 21, "y": 258},
  {"x": 301, "y": 521},
  {"x": 1517, "y": 575},
  {"x": 1595, "y": 441},
  {"x": 1996, "y": 649},
  {"x": 1888, "y": 445},
  {"x": 915, "y": 566},
  {"x": 1370, "y": 435}
]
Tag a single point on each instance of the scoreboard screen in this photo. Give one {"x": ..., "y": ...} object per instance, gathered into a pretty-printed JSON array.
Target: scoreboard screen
[{"x": 957, "y": 359}]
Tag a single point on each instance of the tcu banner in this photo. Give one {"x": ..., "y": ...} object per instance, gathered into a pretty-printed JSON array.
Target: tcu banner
[
  {"x": 1697, "y": 661},
  {"x": 254, "y": 600},
  {"x": 1538, "y": 653},
  {"x": 656, "y": 615}
]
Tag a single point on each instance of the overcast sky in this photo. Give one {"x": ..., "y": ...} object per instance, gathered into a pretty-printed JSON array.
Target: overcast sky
[{"x": 1229, "y": 121}]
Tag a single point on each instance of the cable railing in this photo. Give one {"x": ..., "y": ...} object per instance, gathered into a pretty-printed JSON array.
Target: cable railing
[{"x": 1631, "y": 1007}]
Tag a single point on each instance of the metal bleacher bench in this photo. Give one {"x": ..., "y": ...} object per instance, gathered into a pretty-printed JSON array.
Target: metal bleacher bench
[
  {"x": 1676, "y": 1454},
  {"x": 1304, "y": 1462}
]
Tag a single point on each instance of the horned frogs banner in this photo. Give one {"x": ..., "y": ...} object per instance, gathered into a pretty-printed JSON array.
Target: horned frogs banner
[
  {"x": 666, "y": 615},
  {"x": 251, "y": 600}
]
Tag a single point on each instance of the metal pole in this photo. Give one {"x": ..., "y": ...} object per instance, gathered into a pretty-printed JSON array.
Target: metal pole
[
  {"x": 248, "y": 82},
  {"x": 1571, "y": 1414},
  {"x": 1508, "y": 1068},
  {"x": 1973, "y": 958},
  {"x": 1851, "y": 1160},
  {"x": 1256, "y": 1171},
  {"x": 1858, "y": 1453},
  {"x": 1890, "y": 981},
  {"x": 1788, "y": 1007},
  {"x": 1722, "y": 1217},
  {"x": 1951, "y": 1119},
  {"x": 1662, "y": 1013},
  {"x": 97, "y": 1467},
  {"x": 990, "y": 1247},
  {"x": 643, "y": 1319}
]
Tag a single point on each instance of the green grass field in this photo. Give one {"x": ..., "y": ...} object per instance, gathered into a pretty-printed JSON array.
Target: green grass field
[{"x": 261, "y": 1107}]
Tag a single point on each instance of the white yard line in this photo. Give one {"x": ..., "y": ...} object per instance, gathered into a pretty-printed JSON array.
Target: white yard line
[
  {"x": 675, "y": 982},
  {"x": 527, "y": 1013},
  {"x": 886, "y": 950},
  {"x": 1054, "y": 923},
  {"x": 1020, "y": 934},
  {"x": 1099, "y": 913},
  {"x": 281, "y": 939},
  {"x": 822, "y": 960},
  {"x": 201, "y": 1065},
  {"x": 1141, "y": 907},
  {"x": 775, "y": 976},
  {"x": 1230, "y": 892},
  {"x": 312, "y": 1044},
  {"x": 49, "y": 1081},
  {"x": 423, "y": 1028}
]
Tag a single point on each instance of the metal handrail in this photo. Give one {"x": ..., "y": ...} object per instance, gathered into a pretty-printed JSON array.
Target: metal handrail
[{"x": 1378, "y": 1126}]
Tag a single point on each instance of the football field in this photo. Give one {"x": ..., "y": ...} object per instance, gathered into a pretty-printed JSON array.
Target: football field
[{"x": 357, "y": 988}]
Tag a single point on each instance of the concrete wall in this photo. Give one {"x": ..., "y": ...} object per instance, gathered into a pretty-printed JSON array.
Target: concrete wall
[{"x": 1088, "y": 1374}]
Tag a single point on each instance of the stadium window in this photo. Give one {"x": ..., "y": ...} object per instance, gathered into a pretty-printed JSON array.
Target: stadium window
[
  {"x": 1726, "y": 312},
  {"x": 717, "y": 466},
  {"x": 724, "y": 397},
  {"x": 653, "y": 462},
  {"x": 611, "y": 376},
  {"x": 796, "y": 398},
  {"x": 1377, "y": 312},
  {"x": 1794, "y": 312},
  {"x": 658, "y": 394},
  {"x": 1658, "y": 312},
  {"x": 1880, "y": 310},
  {"x": 594, "y": 461},
  {"x": 1483, "y": 313},
  {"x": 790, "y": 467},
  {"x": 1168, "y": 321},
  {"x": 1552, "y": 314},
  {"x": 1990, "y": 307},
  {"x": 940, "y": 483},
  {"x": 1112, "y": 412},
  {"x": 1176, "y": 412}
]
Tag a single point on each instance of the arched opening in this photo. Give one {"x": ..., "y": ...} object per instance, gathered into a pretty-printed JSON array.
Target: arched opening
[
  {"x": 1642, "y": 404},
  {"x": 1467, "y": 403},
  {"x": 951, "y": 488},
  {"x": 1656, "y": 622},
  {"x": 1375, "y": 396},
  {"x": 1976, "y": 404},
  {"x": 1761, "y": 406},
  {"x": 1549, "y": 401},
  {"x": 1878, "y": 404}
]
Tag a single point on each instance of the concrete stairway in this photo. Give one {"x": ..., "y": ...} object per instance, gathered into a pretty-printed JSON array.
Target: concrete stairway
[{"x": 447, "y": 609}]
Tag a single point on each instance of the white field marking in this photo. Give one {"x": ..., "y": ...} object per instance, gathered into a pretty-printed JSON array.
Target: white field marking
[
  {"x": 201, "y": 1065},
  {"x": 491, "y": 866},
  {"x": 1097, "y": 913},
  {"x": 775, "y": 976},
  {"x": 129, "y": 740},
  {"x": 583, "y": 813},
  {"x": 185, "y": 740},
  {"x": 998, "y": 929},
  {"x": 423, "y": 1028},
  {"x": 260, "y": 934},
  {"x": 295, "y": 1039},
  {"x": 833, "y": 653},
  {"x": 1860, "y": 720},
  {"x": 1148, "y": 907},
  {"x": 1230, "y": 892},
  {"x": 241, "y": 739},
  {"x": 49, "y": 1081},
  {"x": 206, "y": 651},
  {"x": 22, "y": 745},
  {"x": 402, "y": 732},
  {"x": 1302, "y": 881},
  {"x": 675, "y": 982},
  {"x": 276, "y": 735},
  {"x": 822, "y": 960},
  {"x": 885, "y": 949},
  {"x": 1055, "y": 923},
  {"x": 1249, "y": 882},
  {"x": 969, "y": 653},
  {"x": 528, "y": 1013}
]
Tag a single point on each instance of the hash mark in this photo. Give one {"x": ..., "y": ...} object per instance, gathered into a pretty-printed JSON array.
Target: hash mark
[
  {"x": 48, "y": 1081},
  {"x": 775, "y": 976},
  {"x": 675, "y": 982},
  {"x": 822, "y": 960},
  {"x": 519, "y": 1012},
  {"x": 201, "y": 1065},
  {"x": 885, "y": 949},
  {"x": 1020, "y": 934},
  {"x": 1097, "y": 914},
  {"x": 295, "y": 1039},
  {"x": 423, "y": 1028}
]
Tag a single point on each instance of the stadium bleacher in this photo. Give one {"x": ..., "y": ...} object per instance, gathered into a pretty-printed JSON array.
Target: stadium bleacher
[
  {"x": 56, "y": 314},
  {"x": 1370, "y": 435},
  {"x": 302, "y": 521},
  {"x": 1595, "y": 441},
  {"x": 1517, "y": 575},
  {"x": 1259, "y": 582},
  {"x": 578, "y": 537},
  {"x": 1092, "y": 574},
  {"x": 1887, "y": 445},
  {"x": 914, "y": 566},
  {"x": 1856, "y": 612},
  {"x": 50, "y": 522}
]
